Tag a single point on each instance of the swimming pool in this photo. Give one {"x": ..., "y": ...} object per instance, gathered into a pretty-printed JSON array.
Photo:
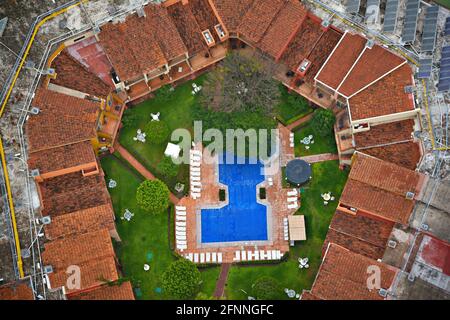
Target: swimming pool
[{"x": 243, "y": 219}]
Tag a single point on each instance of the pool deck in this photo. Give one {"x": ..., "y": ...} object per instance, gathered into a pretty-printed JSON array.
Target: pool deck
[{"x": 276, "y": 199}]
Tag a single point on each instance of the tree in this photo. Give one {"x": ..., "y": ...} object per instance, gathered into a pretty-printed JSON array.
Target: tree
[
  {"x": 266, "y": 288},
  {"x": 323, "y": 121},
  {"x": 157, "y": 131},
  {"x": 181, "y": 279},
  {"x": 163, "y": 94},
  {"x": 167, "y": 167},
  {"x": 241, "y": 83},
  {"x": 153, "y": 196}
]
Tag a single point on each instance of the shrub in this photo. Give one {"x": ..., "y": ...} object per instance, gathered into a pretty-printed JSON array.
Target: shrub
[
  {"x": 181, "y": 279},
  {"x": 262, "y": 193},
  {"x": 153, "y": 196},
  {"x": 323, "y": 121},
  {"x": 157, "y": 131},
  {"x": 167, "y": 167},
  {"x": 163, "y": 93},
  {"x": 266, "y": 288}
]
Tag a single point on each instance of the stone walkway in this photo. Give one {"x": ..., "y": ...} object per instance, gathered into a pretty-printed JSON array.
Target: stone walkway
[
  {"x": 220, "y": 285},
  {"x": 300, "y": 121},
  {"x": 139, "y": 167},
  {"x": 320, "y": 157}
]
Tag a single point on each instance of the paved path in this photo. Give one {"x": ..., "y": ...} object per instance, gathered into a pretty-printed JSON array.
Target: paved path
[
  {"x": 300, "y": 121},
  {"x": 320, "y": 157},
  {"x": 220, "y": 285},
  {"x": 139, "y": 167}
]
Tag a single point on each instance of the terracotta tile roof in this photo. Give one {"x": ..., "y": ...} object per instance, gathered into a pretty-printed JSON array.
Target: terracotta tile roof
[
  {"x": 16, "y": 291},
  {"x": 168, "y": 37},
  {"x": 62, "y": 120},
  {"x": 384, "y": 175},
  {"x": 307, "y": 295},
  {"x": 283, "y": 28},
  {"x": 393, "y": 132},
  {"x": 369, "y": 199},
  {"x": 188, "y": 27},
  {"x": 232, "y": 11},
  {"x": 321, "y": 52},
  {"x": 376, "y": 100},
  {"x": 79, "y": 222},
  {"x": 132, "y": 47},
  {"x": 405, "y": 154},
  {"x": 302, "y": 44},
  {"x": 359, "y": 234},
  {"x": 123, "y": 291},
  {"x": 68, "y": 156},
  {"x": 373, "y": 64},
  {"x": 73, "y": 75},
  {"x": 92, "y": 252},
  {"x": 258, "y": 19},
  {"x": 342, "y": 59},
  {"x": 204, "y": 14},
  {"x": 343, "y": 276},
  {"x": 72, "y": 192}
]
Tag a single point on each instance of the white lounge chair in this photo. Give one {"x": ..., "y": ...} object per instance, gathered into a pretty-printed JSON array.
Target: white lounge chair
[
  {"x": 196, "y": 189},
  {"x": 195, "y": 174},
  {"x": 195, "y": 164},
  {"x": 180, "y": 229},
  {"x": 249, "y": 255},
  {"x": 182, "y": 242},
  {"x": 208, "y": 257},
  {"x": 196, "y": 158},
  {"x": 237, "y": 256},
  {"x": 219, "y": 257},
  {"x": 274, "y": 254},
  {"x": 181, "y": 247},
  {"x": 196, "y": 169},
  {"x": 256, "y": 255},
  {"x": 195, "y": 257},
  {"x": 195, "y": 195},
  {"x": 181, "y": 238},
  {"x": 244, "y": 256},
  {"x": 269, "y": 255},
  {"x": 195, "y": 179},
  {"x": 278, "y": 254},
  {"x": 180, "y": 224},
  {"x": 196, "y": 184},
  {"x": 179, "y": 233},
  {"x": 181, "y": 218},
  {"x": 196, "y": 152},
  {"x": 180, "y": 208},
  {"x": 214, "y": 257},
  {"x": 181, "y": 213},
  {"x": 202, "y": 257},
  {"x": 292, "y": 193},
  {"x": 293, "y": 205},
  {"x": 189, "y": 256}
]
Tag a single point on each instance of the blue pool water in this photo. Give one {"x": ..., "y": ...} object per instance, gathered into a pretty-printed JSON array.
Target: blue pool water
[{"x": 243, "y": 219}]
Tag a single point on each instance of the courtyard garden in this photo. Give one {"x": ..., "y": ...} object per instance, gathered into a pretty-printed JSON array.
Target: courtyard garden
[
  {"x": 326, "y": 177},
  {"x": 145, "y": 238}
]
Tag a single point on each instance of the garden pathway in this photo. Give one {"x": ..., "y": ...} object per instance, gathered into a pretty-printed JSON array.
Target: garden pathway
[
  {"x": 220, "y": 285},
  {"x": 139, "y": 167},
  {"x": 320, "y": 157},
  {"x": 300, "y": 121}
]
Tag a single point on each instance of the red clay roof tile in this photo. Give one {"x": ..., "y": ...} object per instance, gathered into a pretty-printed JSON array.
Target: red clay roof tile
[
  {"x": 62, "y": 120},
  {"x": 122, "y": 291},
  {"x": 386, "y": 133},
  {"x": 59, "y": 158},
  {"x": 343, "y": 276},
  {"x": 79, "y": 222},
  {"x": 232, "y": 11},
  {"x": 16, "y": 291}
]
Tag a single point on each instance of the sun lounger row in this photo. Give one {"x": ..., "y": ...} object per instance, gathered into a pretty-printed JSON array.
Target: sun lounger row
[
  {"x": 286, "y": 228},
  {"x": 205, "y": 257},
  {"x": 257, "y": 255},
  {"x": 195, "y": 173},
  {"x": 180, "y": 228}
]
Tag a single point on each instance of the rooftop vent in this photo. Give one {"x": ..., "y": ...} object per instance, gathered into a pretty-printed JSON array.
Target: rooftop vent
[
  {"x": 220, "y": 31},
  {"x": 425, "y": 227},
  {"x": 370, "y": 43},
  {"x": 392, "y": 244},
  {"x": 48, "y": 269},
  {"x": 25, "y": 253},
  {"x": 208, "y": 38},
  {"x": 409, "y": 89},
  {"x": 96, "y": 29},
  {"x": 383, "y": 292},
  {"x": 410, "y": 195},
  {"x": 140, "y": 12},
  {"x": 35, "y": 173},
  {"x": 411, "y": 277},
  {"x": 49, "y": 71},
  {"x": 325, "y": 23},
  {"x": 35, "y": 110},
  {"x": 46, "y": 220}
]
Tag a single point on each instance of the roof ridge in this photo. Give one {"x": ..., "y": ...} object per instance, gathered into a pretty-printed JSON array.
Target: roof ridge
[{"x": 349, "y": 71}]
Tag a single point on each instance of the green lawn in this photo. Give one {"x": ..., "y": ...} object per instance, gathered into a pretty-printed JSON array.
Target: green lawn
[
  {"x": 326, "y": 177},
  {"x": 325, "y": 144},
  {"x": 444, "y": 3},
  {"x": 145, "y": 239},
  {"x": 292, "y": 106},
  {"x": 176, "y": 113}
]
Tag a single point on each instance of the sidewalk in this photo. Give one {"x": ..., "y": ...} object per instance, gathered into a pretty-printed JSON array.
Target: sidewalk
[
  {"x": 320, "y": 157},
  {"x": 139, "y": 167},
  {"x": 300, "y": 121},
  {"x": 220, "y": 285}
]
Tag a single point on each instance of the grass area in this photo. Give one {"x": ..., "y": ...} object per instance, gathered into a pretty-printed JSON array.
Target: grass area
[
  {"x": 292, "y": 106},
  {"x": 325, "y": 144},
  {"x": 176, "y": 112},
  {"x": 444, "y": 3},
  {"x": 326, "y": 177},
  {"x": 145, "y": 239}
]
